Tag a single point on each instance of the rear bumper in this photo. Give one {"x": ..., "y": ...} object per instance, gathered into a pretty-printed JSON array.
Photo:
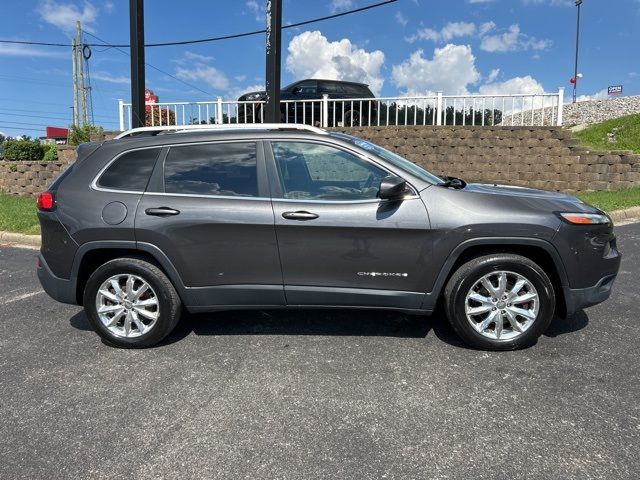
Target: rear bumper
[
  {"x": 577, "y": 298},
  {"x": 57, "y": 288}
]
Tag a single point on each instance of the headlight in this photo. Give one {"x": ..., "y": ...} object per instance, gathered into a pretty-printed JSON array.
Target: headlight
[
  {"x": 586, "y": 218},
  {"x": 254, "y": 96}
]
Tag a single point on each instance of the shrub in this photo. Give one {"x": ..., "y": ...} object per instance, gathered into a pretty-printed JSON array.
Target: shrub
[
  {"x": 157, "y": 115},
  {"x": 22, "y": 150},
  {"x": 86, "y": 133},
  {"x": 50, "y": 153}
]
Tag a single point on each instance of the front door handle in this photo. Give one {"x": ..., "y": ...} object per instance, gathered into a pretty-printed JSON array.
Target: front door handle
[
  {"x": 300, "y": 215},
  {"x": 162, "y": 211}
]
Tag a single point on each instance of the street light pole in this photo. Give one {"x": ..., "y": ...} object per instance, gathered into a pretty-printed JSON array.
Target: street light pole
[
  {"x": 136, "y": 33},
  {"x": 272, "y": 77},
  {"x": 575, "y": 73}
]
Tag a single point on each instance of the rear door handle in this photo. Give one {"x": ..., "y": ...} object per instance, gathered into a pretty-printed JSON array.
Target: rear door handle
[
  {"x": 162, "y": 211},
  {"x": 300, "y": 215}
]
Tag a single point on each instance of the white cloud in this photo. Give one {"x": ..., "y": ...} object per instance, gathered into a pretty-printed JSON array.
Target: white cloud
[
  {"x": 107, "y": 77},
  {"x": 312, "y": 55},
  {"x": 451, "y": 70},
  {"x": 240, "y": 78},
  {"x": 401, "y": 19},
  {"x": 340, "y": 5},
  {"x": 601, "y": 95},
  {"x": 65, "y": 15},
  {"x": 196, "y": 57},
  {"x": 516, "y": 85},
  {"x": 450, "y": 31},
  {"x": 20, "y": 50},
  {"x": 511, "y": 41},
  {"x": 205, "y": 73},
  {"x": 257, "y": 9},
  {"x": 485, "y": 28},
  {"x": 493, "y": 75}
]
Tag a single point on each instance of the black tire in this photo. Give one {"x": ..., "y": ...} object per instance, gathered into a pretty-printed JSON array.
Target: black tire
[
  {"x": 169, "y": 304},
  {"x": 352, "y": 117},
  {"x": 471, "y": 272}
]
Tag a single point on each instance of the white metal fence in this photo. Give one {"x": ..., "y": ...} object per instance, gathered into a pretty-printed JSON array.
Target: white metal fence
[{"x": 506, "y": 110}]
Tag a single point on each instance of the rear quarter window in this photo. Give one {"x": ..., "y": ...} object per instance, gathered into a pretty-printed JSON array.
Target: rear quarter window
[{"x": 130, "y": 171}]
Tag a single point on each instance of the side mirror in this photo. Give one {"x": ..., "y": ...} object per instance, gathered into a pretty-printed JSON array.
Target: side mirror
[
  {"x": 392, "y": 187},
  {"x": 296, "y": 90}
]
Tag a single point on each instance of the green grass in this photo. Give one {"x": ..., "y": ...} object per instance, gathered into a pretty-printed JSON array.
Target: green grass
[
  {"x": 627, "y": 134},
  {"x": 18, "y": 214},
  {"x": 612, "y": 200}
]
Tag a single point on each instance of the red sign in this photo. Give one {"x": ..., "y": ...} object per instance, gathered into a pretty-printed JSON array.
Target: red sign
[
  {"x": 56, "y": 132},
  {"x": 149, "y": 96}
]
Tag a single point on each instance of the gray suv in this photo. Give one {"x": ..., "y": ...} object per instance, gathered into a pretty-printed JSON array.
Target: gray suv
[{"x": 291, "y": 216}]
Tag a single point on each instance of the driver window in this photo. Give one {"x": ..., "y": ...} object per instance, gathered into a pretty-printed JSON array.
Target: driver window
[{"x": 321, "y": 172}]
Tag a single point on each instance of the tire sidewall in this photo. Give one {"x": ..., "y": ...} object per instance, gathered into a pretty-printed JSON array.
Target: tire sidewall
[
  {"x": 534, "y": 275},
  {"x": 118, "y": 267}
]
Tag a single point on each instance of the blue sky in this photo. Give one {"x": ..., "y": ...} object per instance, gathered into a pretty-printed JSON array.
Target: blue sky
[{"x": 408, "y": 47}]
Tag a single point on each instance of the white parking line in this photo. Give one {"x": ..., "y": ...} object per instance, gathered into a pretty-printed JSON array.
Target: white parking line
[{"x": 20, "y": 297}]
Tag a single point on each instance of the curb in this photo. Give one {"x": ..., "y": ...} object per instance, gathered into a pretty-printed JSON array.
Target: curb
[
  {"x": 20, "y": 239},
  {"x": 626, "y": 215}
]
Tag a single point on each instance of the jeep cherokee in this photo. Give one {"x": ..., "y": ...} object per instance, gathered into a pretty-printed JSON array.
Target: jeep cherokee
[{"x": 290, "y": 216}]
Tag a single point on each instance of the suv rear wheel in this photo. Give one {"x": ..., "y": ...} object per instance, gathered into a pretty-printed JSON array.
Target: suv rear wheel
[
  {"x": 131, "y": 303},
  {"x": 499, "y": 302}
]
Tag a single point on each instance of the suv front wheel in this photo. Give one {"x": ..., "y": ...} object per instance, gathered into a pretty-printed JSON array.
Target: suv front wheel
[
  {"x": 499, "y": 302},
  {"x": 131, "y": 303}
]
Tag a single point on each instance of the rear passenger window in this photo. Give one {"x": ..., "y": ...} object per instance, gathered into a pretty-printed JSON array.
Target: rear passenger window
[
  {"x": 228, "y": 169},
  {"x": 130, "y": 171}
]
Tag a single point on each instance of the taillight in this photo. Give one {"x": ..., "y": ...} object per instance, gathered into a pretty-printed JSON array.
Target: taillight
[{"x": 45, "y": 201}]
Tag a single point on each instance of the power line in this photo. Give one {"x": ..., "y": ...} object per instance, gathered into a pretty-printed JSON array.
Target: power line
[
  {"x": 154, "y": 67},
  {"x": 208, "y": 39}
]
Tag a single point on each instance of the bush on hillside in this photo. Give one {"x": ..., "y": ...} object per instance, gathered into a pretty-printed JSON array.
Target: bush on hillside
[
  {"x": 50, "y": 153},
  {"x": 22, "y": 150},
  {"x": 157, "y": 115},
  {"x": 86, "y": 133}
]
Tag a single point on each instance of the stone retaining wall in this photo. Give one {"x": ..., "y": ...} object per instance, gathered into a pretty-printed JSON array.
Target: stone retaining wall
[
  {"x": 540, "y": 157},
  {"x": 30, "y": 178}
]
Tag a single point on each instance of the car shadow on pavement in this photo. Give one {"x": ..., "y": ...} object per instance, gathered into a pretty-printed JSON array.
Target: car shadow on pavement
[
  {"x": 339, "y": 322},
  {"x": 560, "y": 326},
  {"x": 303, "y": 322}
]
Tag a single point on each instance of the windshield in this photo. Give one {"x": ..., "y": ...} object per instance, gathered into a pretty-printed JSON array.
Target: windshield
[{"x": 392, "y": 158}]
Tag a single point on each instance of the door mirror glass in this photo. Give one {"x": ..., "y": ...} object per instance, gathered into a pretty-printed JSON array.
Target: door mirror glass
[
  {"x": 296, "y": 90},
  {"x": 392, "y": 187}
]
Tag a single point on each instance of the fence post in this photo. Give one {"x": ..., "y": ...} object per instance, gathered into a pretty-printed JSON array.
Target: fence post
[
  {"x": 219, "y": 112},
  {"x": 325, "y": 110},
  {"x": 560, "y": 105},
  {"x": 439, "y": 110},
  {"x": 121, "y": 114}
]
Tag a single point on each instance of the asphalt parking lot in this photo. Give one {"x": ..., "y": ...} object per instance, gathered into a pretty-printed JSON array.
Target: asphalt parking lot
[{"x": 317, "y": 394}]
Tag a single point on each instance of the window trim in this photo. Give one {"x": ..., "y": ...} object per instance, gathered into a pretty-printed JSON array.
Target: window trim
[
  {"x": 276, "y": 184},
  {"x": 94, "y": 184}
]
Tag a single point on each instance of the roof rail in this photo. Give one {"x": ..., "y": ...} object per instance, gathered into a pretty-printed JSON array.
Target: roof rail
[{"x": 151, "y": 131}]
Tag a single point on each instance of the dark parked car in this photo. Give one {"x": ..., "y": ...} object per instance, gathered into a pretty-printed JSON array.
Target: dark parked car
[
  {"x": 276, "y": 216},
  {"x": 297, "y": 105}
]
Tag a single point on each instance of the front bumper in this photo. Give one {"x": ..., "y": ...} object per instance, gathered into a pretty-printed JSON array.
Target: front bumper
[
  {"x": 59, "y": 289},
  {"x": 578, "y": 298}
]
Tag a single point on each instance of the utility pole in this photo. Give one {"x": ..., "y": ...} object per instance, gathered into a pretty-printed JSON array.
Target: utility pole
[
  {"x": 136, "y": 33},
  {"x": 82, "y": 89},
  {"x": 80, "y": 113},
  {"x": 274, "y": 40},
  {"x": 75, "y": 108},
  {"x": 575, "y": 72}
]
